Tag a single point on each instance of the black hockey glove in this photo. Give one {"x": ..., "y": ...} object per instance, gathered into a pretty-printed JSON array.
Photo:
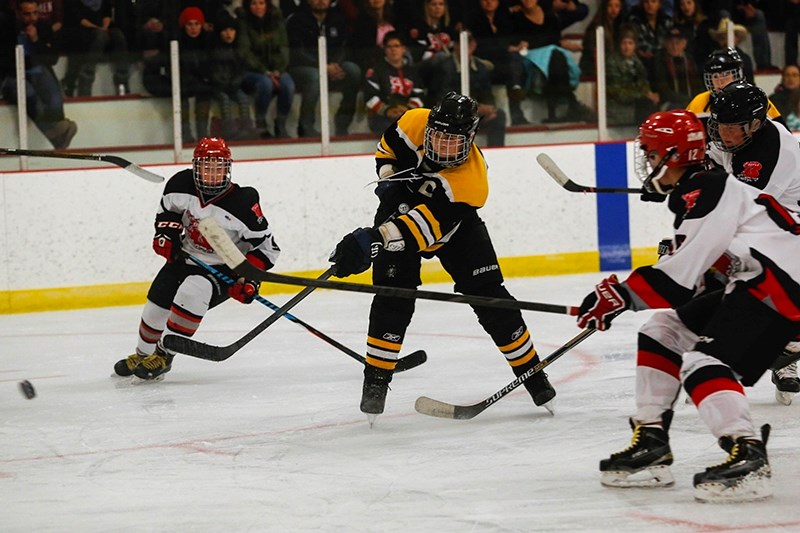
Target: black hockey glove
[
  {"x": 244, "y": 290},
  {"x": 355, "y": 252},
  {"x": 652, "y": 196},
  {"x": 167, "y": 240},
  {"x": 603, "y": 304}
]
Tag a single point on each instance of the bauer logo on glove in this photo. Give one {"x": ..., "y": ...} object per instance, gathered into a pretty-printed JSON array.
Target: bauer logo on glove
[{"x": 601, "y": 306}]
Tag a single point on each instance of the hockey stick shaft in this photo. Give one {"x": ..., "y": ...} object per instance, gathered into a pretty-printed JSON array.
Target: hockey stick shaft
[
  {"x": 234, "y": 258},
  {"x": 114, "y": 160},
  {"x": 562, "y": 179},
  {"x": 431, "y": 407},
  {"x": 406, "y": 362}
]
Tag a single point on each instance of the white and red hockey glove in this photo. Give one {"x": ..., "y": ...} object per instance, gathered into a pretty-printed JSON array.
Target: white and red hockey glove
[{"x": 600, "y": 307}]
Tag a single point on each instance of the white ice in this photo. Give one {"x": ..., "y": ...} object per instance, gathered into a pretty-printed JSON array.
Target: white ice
[{"x": 272, "y": 439}]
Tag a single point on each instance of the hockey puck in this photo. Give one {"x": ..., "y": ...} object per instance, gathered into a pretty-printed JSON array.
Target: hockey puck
[{"x": 27, "y": 389}]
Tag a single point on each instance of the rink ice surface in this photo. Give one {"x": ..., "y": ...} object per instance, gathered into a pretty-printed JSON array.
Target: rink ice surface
[{"x": 272, "y": 439}]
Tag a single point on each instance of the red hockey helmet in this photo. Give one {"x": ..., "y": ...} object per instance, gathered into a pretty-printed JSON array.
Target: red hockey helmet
[
  {"x": 211, "y": 166},
  {"x": 668, "y": 139}
]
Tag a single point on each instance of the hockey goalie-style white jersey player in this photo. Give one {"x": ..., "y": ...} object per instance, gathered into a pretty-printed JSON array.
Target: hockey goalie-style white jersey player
[
  {"x": 182, "y": 291},
  {"x": 736, "y": 333}
]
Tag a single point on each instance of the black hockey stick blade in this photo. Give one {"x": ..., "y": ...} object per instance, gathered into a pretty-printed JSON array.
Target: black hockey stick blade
[
  {"x": 201, "y": 350},
  {"x": 234, "y": 258},
  {"x": 431, "y": 407},
  {"x": 562, "y": 179},
  {"x": 114, "y": 160},
  {"x": 410, "y": 361}
]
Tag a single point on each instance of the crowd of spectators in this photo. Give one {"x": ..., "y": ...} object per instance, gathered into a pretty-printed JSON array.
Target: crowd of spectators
[{"x": 393, "y": 54}]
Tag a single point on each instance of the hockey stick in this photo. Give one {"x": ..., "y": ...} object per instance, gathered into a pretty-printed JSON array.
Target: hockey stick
[
  {"x": 114, "y": 160},
  {"x": 557, "y": 174},
  {"x": 404, "y": 363},
  {"x": 225, "y": 248},
  {"x": 431, "y": 407}
]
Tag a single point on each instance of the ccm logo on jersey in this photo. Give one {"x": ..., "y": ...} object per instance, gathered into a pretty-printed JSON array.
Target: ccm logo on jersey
[{"x": 751, "y": 170}]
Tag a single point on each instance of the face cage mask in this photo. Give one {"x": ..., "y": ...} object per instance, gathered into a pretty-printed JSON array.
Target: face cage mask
[
  {"x": 708, "y": 77},
  {"x": 447, "y": 149},
  {"x": 716, "y": 138},
  {"x": 648, "y": 175},
  {"x": 213, "y": 167}
]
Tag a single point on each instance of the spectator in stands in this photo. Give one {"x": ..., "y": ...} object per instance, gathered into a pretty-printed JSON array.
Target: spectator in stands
[
  {"x": 195, "y": 49},
  {"x": 676, "y": 79},
  {"x": 52, "y": 12},
  {"x": 652, "y": 24},
  {"x": 92, "y": 35},
  {"x": 630, "y": 99},
  {"x": 45, "y": 102},
  {"x": 264, "y": 45},
  {"x": 392, "y": 85},
  {"x": 304, "y": 27},
  {"x": 374, "y": 22},
  {"x": 788, "y": 91},
  {"x": 752, "y": 18},
  {"x": 720, "y": 36},
  {"x": 448, "y": 78},
  {"x": 492, "y": 28},
  {"x": 431, "y": 38},
  {"x": 569, "y": 12},
  {"x": 611, "y": 17},
  {"x": 667, "y": 5},
  {"x": 691, "y": 20},
  {"x": 227, "y": 76},
  {"x": 149, "y": 25},
  {"x": 550, "y": 69},
  {"x": 792, "y": 27}
]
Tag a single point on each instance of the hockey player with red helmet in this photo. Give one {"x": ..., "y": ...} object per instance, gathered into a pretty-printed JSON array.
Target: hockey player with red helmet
[
  {"x": 735, "y": 333},
  {"x": 182, "y": 292}
]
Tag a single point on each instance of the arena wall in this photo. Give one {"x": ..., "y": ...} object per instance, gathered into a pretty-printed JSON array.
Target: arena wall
[{"x": 81, "y": 238}]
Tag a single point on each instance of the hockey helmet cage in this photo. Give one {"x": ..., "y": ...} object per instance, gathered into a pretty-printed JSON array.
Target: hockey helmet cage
[
  {"x": 738, "y": 104},
  {"x": 673, "y": 138},
  {"x": 450, "y": 130},
  {"x": 211, "y": 166},
  {"x": 723, "y": 65}
]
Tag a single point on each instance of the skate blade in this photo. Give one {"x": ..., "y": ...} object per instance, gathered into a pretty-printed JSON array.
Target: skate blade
[
  {"x": 371, "y": 419},
  {"x": 784, "y": 398},
  {"x": 753, "y": 487},
  {"x": 652, "y": 477},
  {"x": 550, "y": 406},
  {"x": 136, "y": 380}
]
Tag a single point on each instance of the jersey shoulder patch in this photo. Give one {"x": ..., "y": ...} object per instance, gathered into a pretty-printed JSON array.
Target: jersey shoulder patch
[
  {"x": 244, "y": 204},
  {"x": 698, "y": 196}
]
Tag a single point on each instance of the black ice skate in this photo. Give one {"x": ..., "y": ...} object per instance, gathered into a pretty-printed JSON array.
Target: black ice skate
[
  {"x": 744, "y": 476},
  {"x": 373, "y": 394},
  {"x": 645, "y": 463},
  {"x": 153, "y": 367},
  {"x": 787, "y": 384},
  {"x": 125, "y": 367},
  {"x": 538, "y": 385}
]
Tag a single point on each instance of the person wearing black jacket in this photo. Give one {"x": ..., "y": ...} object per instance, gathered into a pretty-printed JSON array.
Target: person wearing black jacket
[
  {"x": 304, "y": 28},
  {"x": 45, "y": 101}
]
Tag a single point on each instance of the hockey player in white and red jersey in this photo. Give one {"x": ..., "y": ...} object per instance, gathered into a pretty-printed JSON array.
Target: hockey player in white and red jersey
[
  {"x": 182, "y": 292},
  {"x": 764, "y": 155},
  {"x": 735, "y": 334}
]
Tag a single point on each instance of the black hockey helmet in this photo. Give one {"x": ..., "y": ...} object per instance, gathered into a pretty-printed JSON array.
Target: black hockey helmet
[
  {"x": 725, "y": 66},
  {"x": 451, "y": 127},
  {"x": 738, "y": 105}
]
